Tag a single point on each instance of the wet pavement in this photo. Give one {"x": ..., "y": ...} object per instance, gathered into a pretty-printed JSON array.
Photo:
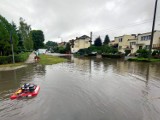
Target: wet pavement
[{"x": 31, "y": 58}]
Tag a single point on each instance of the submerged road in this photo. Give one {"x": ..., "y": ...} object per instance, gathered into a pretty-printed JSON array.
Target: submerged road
[{"x": 84, "y": 89}]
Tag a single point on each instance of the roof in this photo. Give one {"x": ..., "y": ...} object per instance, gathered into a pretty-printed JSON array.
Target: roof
[
  {"x": 124, "y": 35},
  {"x": 148, "y": 32},
  {"x": 83, "y": 37}
]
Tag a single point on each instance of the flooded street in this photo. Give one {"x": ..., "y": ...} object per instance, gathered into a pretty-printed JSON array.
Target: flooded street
[{"x": 84, "y": 89}]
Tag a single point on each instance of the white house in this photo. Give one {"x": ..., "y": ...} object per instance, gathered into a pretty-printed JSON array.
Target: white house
[{"x": 80, "y": 43}]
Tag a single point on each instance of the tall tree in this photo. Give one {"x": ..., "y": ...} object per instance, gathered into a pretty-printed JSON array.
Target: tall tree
[
  {"x": 68, "y": 48},
  {"x": 52, "y": 46},
  {"x": 20, "y": 46},
  {"x": 28, "y": 43},
  {"x": 24, "y": 31},
  {"x": 5, "y": 30},
  {"x": 98, "y": 41},
  {"x": 38, "y": 38},
  {"x": 106, "y": 40}
]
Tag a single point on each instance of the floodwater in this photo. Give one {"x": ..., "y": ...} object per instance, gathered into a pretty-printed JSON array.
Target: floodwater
[{"x": 84, "y": 89}]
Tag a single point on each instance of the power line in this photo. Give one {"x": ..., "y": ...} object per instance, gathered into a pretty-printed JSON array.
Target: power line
[
  {"x": 125, "y": 26},
  {"x": 115, "y": 28}
]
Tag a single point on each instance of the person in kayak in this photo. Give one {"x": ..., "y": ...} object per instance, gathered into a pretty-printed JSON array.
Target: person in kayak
[
  {"x": 19, "y": 91},
  {"x": 25, "y": 87},
  {"x": 28, "y": 87},
  {"x": 26, "y": 90}
]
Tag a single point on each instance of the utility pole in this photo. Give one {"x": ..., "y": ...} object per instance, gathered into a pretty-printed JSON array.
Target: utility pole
[
  {"x": 90, "y": 38},
  {"x": 152, "y": 34},
  {"x": 12, "y": 47}
]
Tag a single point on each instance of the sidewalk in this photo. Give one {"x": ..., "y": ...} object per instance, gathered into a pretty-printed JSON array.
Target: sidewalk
[{"x": 31, "y": 58}]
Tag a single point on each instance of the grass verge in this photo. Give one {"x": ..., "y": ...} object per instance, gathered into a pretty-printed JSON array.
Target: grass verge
[
  {"x": 49, "y": 59},
  {"x": 11, "y": 65},
  {"x": 144, "y": 59}
]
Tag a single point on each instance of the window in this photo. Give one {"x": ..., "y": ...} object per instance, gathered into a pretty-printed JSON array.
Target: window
[
  {"x": 148, "y": 37},
  {"x": 120, "y": 39},
  {"x": 132, "y": 43}
]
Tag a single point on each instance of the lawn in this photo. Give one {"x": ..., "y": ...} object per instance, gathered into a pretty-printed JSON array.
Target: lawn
[
  {"x": 144, "y": 59},
  {"x": 12, "y": 65},
  {"x": 49, "y": 59}
]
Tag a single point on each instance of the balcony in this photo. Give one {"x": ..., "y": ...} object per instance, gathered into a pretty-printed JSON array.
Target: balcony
[{"x": 156, "y": 46}]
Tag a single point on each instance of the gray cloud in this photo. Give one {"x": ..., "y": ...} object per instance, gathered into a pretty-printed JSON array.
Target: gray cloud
[{"x": 70, "y": 18}]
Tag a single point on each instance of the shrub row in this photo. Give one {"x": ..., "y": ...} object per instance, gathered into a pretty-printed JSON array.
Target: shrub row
[
  {"x": 113, "y": 56},
  {"x": 18, "y": 58}
]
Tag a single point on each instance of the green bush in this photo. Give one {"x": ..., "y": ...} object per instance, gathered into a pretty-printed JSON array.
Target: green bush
[
  {"x": 22, "y": 57},
  {"x": 103, "y": 49},
  {"x": 5, "y": 59},
  {"x": 156, "y": 54},
  {"x": 143, "y": 53},
  {"x": 112, "y": 56},
  {"x": 83, "y": 51},
  {"x": 18, "y": 58},
  {"x": 109, "y": 50}
]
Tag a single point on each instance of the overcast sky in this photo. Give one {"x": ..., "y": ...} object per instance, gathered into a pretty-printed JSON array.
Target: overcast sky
[{"x": 62, "y": 20}]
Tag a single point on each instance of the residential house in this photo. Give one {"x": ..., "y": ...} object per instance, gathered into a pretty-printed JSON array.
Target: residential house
[
  {"x": 124, "y": 44},
  {"x": 114, "y": 43},
  {"x": 80, "y": 43},
  {"x": 131, "y": 43},
  {"x": 145, "y": 38},
  {"x": 62, "y": 44}
]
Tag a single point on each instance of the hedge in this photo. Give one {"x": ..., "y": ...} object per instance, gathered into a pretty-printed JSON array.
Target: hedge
[
  {"x": 113, "y": 56},
  {"x": 18, "y": 58}
]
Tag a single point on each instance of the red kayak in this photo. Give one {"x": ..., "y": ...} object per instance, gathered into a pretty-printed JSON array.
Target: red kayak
[{"x": 21, "y": 94}]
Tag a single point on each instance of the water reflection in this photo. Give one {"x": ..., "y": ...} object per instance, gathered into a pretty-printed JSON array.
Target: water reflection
[{"x": 143, "y": 71}]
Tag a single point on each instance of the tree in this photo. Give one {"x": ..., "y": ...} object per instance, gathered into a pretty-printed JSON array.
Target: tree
[
  {"x": 61, "y": 49},
  {"x": 98, "y": 41},
  {"x": 20, "y": 46},
  {"x": 68, "y": 48},
  {"x": 20, "y": 43},
  {"x": 24, "y": 31},
  {"x": 38, "y": 39},
  {"x": 109, "y": 50},
  {"x": 106, "y": 40},
  {"x": 28, "y": 43},
  {"x": 52, "y": 46},
  {"x": 5, "y": 30}
]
